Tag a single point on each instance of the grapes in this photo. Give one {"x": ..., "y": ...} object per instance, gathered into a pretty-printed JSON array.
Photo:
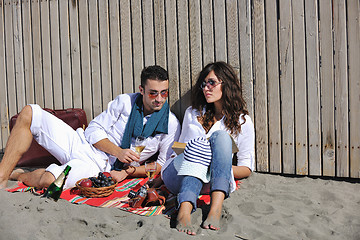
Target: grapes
[{"x": 102, "y": 180}]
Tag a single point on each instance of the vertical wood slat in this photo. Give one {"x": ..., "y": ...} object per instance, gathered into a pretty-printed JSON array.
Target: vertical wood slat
[
  {"x": 55, "y": 54},
  {"x": 66, "y": 72},
  {"x": 207, "y": 29},
  {"x": 353, "y": 9},
  {"x": 4, "y": 108},
  {"x": 184, "y": 55},
  {"x": 148, "y": 33},
  {"x": 300, "y": 95},
  {"x": 246, "y": 67},
  {"x": 115, "y": 50},
  {"x": 28, "y": 53},
  {"x": 46, "y": 54},
  {"x": 195, "y": 39},
  {"x": 159, "y": 27},
  {"x": 85, "y": 58},
  {"x": 272, "y": 66},
  {"x": 286, "y": 86},
  {"x": 18, "y": 54},
  {"x": 327, "y": 89},
  {"x": 137, "y": 43},
  {"x": 95, "y": 57},
  {"x": 172, "y": 56},
  {"x": 341, "y": 90},
  {"x": 232, "y": 33},
  {"x": 126, "y": 53},
  {"x": 75, "y": 56},
  {"x": 9, "y": 51},
  {"x": 260, "y": 89},
  {"x": 105, "y": 70},
  {"x": 313, "y": 86},
  {"x": 37, "y": 53},
  {"x": 220, "y": 30}
]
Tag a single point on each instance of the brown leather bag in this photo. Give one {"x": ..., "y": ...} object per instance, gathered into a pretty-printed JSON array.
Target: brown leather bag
[{"x": 37, "y": 156}]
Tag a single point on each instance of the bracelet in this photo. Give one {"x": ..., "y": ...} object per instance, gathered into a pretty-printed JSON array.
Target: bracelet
[{"x": 126, "y": 170}]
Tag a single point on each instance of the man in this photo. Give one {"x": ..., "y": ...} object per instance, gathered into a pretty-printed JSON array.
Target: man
[{"x": 105, "y": 144}]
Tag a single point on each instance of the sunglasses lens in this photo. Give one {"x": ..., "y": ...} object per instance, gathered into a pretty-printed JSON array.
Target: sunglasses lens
[
  {"x": 153, "y": 95},
  {"x": 164, "y": 94}
]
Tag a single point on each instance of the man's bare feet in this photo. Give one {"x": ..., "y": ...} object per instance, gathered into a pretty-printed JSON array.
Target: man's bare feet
[
  {"x": 16, "y": 173},
  {"x": 183, "y": 224}
]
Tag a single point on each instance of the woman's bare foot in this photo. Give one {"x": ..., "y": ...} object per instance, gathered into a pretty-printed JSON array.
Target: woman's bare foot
[
  {"x": 16, "y": 173},
  {"x": 183, "y": 220},
  {"x": 211, "y": 223}
]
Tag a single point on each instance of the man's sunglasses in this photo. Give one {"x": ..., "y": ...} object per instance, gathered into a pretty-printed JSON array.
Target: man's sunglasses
[
  {"x": 210, "y": 84},
  {"x": 154, "y": 94}
]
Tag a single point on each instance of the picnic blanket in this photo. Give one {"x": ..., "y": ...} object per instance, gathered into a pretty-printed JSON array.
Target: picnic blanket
[{"x": 118, "y": 199}]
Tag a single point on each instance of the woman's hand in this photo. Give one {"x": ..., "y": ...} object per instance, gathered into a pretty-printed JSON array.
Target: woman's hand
[{"x": 119, "y": 175}]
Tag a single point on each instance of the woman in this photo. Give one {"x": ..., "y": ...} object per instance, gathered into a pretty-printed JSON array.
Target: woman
[{"x": 217, "y": 111}]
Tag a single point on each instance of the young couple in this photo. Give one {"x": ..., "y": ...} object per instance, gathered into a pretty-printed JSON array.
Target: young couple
[{"x": 217, "y": 111}]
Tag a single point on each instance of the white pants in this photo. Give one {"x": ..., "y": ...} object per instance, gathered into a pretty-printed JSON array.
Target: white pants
[{"x": 68, "y": 146}]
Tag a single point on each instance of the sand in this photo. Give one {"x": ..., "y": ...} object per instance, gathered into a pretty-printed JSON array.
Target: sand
[{"x": 265, "y": 207}]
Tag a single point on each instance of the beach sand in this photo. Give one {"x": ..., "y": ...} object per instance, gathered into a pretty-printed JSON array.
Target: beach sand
[{"x": 266, "y": 206}]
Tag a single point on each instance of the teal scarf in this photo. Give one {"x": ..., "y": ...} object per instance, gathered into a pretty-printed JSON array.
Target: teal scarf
[{"x": 157, "y": 124}]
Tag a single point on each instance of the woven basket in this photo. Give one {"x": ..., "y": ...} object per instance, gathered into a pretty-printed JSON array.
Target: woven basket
[{"x": 94, "y": 192}]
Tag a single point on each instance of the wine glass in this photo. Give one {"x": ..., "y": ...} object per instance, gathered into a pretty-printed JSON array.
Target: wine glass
[
  {"x": 138, "y": 147},
  {"x": 150, "y": 169}
]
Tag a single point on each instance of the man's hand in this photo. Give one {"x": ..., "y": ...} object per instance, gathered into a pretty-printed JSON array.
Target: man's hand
[
  {"x": 118, "y": 175},
  {"x": 127, "y": 156}
]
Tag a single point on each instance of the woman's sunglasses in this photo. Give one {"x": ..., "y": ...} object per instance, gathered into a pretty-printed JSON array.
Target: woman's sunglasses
[
  {"x": 154, "y": 94},
  {"x": 210, "y": 84}
]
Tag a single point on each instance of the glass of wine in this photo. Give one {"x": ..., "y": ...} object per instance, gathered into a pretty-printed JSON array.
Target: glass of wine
[
  {"x": 138, "y": 147},
  {"x": 150, "y": 169}
]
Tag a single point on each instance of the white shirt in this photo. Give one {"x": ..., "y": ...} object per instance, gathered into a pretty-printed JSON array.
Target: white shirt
[
  {"x": 245, "y": 140},
  {"x": 111, "y": 124}
]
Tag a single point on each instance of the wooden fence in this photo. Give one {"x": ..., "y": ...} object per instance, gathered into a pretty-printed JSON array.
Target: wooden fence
[{"x": 298, "y": 60}]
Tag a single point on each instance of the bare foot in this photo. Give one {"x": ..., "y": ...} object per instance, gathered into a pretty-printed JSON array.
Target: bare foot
[
  {"x": 213, "y": 224},
  {"x": 16, "y": 173},
  {"x": 183, "y": 224},
  {"x": 3, "y": 184}
]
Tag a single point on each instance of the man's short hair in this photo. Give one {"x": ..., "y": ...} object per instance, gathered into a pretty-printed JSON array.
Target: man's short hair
[{"x": 155, "y": 73}]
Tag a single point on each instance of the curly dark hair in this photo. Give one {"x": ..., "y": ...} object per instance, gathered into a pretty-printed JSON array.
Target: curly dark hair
[{"x": 233, "y": 102}]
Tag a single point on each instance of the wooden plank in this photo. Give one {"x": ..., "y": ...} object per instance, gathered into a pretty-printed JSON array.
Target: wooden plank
[
  {"x": 95, "y": 57},
  {"x": 126, "y": 49},
  {"x": 75, "y": 56},
  {"x": 301, "y": 140},
  {"x": 353, "y": 9},
  {"x": 184, "y": 56},
  {"x": 137, "y": 43},
  {"x": 341, "y": 90},
  {"x": 19, "y": 56},
  {"x": 37, "y": 53},
  {"x": 46, "y": 54},
  {"x": 105, "y": 54},
  {"x": 207, "y": 29},
  {"x": 55, "y": 54},
  {"x": 272, "y": 67},
  {"x": 4, "y": 108},
  {"x": 116, "y": 67},
  {"x": 172, "y": 56},
  {"x": 286, "y": 86},
  {"x": 148, "y": 29},
  {"x": 327, "y": 89},
  {"x": 220, "y": 30},
  {"x": 85, "y": 58},
  {"x": 10, "y": 58},
  {"x": 159, "y": 26},
  {"x": 28, "y": 53},
  {"x": 232, "y": 32},
  {"x": 65, "y": 54},
  {"x": 246, "y": 68},
  {"x": 195, "y": 39},
  {"x": 260, "y": 88},
  {"x": 313, "y": 86}
]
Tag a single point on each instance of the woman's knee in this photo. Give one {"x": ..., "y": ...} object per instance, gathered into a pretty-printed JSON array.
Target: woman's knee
[{"x": 220, "y": 135}]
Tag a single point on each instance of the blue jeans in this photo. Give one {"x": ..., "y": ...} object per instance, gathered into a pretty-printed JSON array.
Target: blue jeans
[{"x": 188, "y": 188}]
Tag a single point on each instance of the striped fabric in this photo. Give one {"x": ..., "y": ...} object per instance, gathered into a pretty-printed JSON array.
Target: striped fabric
[{"x": 198, "y": 151}]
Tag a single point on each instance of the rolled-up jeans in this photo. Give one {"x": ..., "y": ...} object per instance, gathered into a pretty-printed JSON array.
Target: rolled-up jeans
[{"x": 188, "y": 188}]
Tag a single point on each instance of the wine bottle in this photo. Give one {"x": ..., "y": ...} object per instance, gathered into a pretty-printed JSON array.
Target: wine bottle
[{"x": 55, "y": 189}]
